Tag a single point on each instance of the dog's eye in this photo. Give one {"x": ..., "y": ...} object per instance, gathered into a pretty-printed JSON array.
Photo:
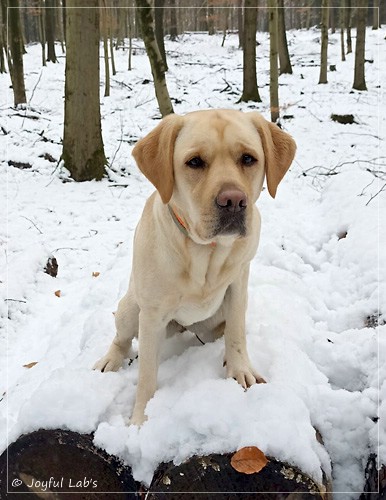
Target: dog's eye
[
  {"x": 248, "y": 160},
  {"x": 195, "y": 162}
]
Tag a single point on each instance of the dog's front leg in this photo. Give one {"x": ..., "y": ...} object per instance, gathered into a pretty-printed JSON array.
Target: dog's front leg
[
  {"x": 236, "y": 359},
  {"x": 152, "y": 330}
]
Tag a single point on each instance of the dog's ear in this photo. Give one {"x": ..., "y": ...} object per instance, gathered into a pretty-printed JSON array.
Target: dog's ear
[
  {"x": 279, "y": 151},
  {"x": 154, "y": 155}
]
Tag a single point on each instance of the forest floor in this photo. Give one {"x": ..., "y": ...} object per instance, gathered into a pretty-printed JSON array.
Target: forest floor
[{"x": 316, "y": 283}]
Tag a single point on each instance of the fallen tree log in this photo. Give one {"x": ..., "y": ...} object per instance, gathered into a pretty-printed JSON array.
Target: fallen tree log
[
  {"x": 52, "y": 464},
  {"x": 47, "y": 462}
]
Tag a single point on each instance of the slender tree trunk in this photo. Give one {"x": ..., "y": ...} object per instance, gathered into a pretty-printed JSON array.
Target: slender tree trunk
[
  {"x": 250, "y": 89},
  {"x": 59, "y": 27},
  {"x": 273, "y": 61},
  {"x": 3, "y": 36},
  {"x": 324, "y": 42},
  {"x": 50, "y": 30},
  {"x": 103, "y": 11},
  {"x": 159, "y": 28},
  {"x": 155, "y": 58},
  {"x": 284, "y": 58},
  {"x": 83, "y": 152},
  {"x": 173, "y": 21},
  {"x": 225, "y": 25},
  {"x": 240, "y": 22},
  {"x": 130, "y": 24},
  {"x": 375, "y": 9},
  {"x": 359, "y": 69},
  {"x": 42, "y": 31},
  {"x": 341, "y": 21},
  {"x": 16, "y": 48},
  {"x": 348, "y": 26},
  {"x": 211, "y": 30},
  {"x": 113, "y": 70},
  {"x": 332, "y": 21}
]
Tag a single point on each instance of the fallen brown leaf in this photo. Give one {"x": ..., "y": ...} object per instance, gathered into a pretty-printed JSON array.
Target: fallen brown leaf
[
  {"x": 30, "y": 365},
  {"x": 95, "y": 274},
  {"x": 58, "y": 293},
  {"x": 249, "y": 460}
]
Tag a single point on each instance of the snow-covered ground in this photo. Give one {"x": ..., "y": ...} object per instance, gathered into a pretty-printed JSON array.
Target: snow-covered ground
[{"x": 316, "y": 285}]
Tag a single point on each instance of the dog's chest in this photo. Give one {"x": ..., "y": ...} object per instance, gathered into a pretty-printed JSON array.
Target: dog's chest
[
  {"x": 207, "y": 279},
  {"x": 193, "y": 309}
]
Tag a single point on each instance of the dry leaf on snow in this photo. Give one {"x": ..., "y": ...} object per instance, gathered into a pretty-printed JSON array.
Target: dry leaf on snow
[
  {"x": 30, "y": 365},
  {"x": 58, "y": 293},
  {"x": 249, "y": 460},
  {"x": 95, "y": 274}
]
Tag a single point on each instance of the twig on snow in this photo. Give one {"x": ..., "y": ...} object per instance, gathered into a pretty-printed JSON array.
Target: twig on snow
[
  {"x": 376, "y": 194},
  {"x": 32, "y": 222}
]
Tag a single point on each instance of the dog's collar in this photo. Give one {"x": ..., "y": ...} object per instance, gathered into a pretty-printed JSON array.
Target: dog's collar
[
  {"x": 181, "y": 226},
  {"x": 178, "y": 222}
]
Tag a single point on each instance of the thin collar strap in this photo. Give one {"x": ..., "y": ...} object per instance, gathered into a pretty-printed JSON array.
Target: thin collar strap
[
  {"x": 181, "y": 226},
  {"x": 178, "y": 222}
]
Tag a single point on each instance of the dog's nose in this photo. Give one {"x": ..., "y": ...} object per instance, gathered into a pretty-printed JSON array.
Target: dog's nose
[{"x": 232, "y": 200}]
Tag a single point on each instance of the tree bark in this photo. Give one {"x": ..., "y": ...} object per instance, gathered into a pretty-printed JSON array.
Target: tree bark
[
  {"x": 359, "y": 69},
  {"x": 50, "y": 30},
  {"x": 240, "y": 23},
  {"x": 332, "y": 20},
  {"x": 159, "y": 28},
  {"x": 3, "y": 36},
  {"x": 341, "y": 21},
  {"x": 103, "y": 23},
  {"x": 273, "y": 60},
  {"x": 250, "y": 89},
  {"x": 284, "y": 58},
  {"x": 348, "y": 25},
  {"x": 83, "y": 152},
  {"x": 376, "y": 8},
  {"x": 324, "y": 42},
  {"x": 173, "y": 21},
  {"x": 211, "y": 30},
  {"x": 155, "y": 58},
  {"x": 15, "y": 62}
]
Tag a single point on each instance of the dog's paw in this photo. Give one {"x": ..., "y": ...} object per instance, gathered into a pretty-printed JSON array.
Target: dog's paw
[
  {"x": 111, "y": 362},
  {"x": 137, "y": 419},
  {"x": 244, "y": 375}
]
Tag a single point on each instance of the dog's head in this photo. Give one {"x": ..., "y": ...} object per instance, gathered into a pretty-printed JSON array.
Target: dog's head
[{"x": 210, "y": 166}]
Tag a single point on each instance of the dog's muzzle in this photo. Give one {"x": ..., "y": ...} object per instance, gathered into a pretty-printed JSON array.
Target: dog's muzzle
[{"x": 231, "y": 207}]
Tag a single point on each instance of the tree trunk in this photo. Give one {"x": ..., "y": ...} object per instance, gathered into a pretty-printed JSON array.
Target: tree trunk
[
  {"x": 348, "y": 25},
  {"x": 376, "y": 7},
  {"x": 359, "y": 69},
  {"x": 240, "y": 23},
  {"x": 211, "y": 30},
  {"x": 16, "y": 48},
  {"x": 130, "y": 24},
  {"x": 273, "y": 60},
  {"x": 3, "y": 36},
  {"x": 159, "y": 28},
  {"x": 42, "y": 31},
  {"x": 155, "y": 58},
  {"x": 341, "y": 21},
  {"x": 173, "y": 21},
  {"x": 284, "y": 58},
  {"x": 103, "y": 24},
  {"x": 332, "y": 21},
  {"x": 111, "y": 38},
  {"x": 324, "y": 42},
  {"x": 225, "y": 25},
  {"x": 250, "y": 89},
  {"x": 83, "y": 152},
  {"x": 50, "y": 30}
]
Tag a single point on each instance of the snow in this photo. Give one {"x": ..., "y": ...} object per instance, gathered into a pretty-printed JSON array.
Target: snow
[{"x": 318, "y": 275}]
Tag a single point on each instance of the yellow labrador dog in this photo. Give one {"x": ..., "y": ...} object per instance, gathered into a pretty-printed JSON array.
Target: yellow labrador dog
[{"x": 196, "y": 237}]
